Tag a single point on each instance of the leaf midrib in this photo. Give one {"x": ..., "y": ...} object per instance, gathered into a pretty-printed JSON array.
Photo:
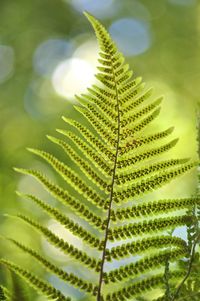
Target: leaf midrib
[{"x": 111, "y": 192}]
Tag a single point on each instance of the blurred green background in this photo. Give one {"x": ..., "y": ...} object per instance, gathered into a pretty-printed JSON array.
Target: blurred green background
[{"x": 48, "y": 52}]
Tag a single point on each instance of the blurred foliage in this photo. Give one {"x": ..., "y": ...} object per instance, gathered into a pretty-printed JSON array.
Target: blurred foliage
[{"x": 31, "y": 107}]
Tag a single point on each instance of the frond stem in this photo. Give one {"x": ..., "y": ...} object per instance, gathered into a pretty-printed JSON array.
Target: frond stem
[
  {"x": 188, "y": 272},
  {"x": 99, "y": 297}
]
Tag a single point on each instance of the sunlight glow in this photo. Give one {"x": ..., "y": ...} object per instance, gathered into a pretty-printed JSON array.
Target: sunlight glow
[
  {"x": 74, "y": 75},
  {"x": 49, "y": 53}
]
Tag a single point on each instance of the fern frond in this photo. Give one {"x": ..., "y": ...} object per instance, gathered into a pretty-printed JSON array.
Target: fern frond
[
  {"x": 140, "y": 287},
  {"x": 109, "y": 98},
  {"x": 128, "y": 88},
  {"x": 152, "y": 208},
  {"x": 119, "y": 160},
  {"x": 3, "y": 293},
  {"x": 143, "y": 245},
  {"x": 100, "y": 126},
  {"x": 143, "y": 265},
  {"x": 38, "y": 284},
  {"x": 151, "y": 226},
  {"x": 102, "y": 165},
  {"x": 130, "y": 96},
  {"x": 91, "y": 112},
  {"x": 69, "y": 224},
  {"x": 131, "y": 117},
  {"x": 59, "y": 243},
  {"x": 83, "y": 165},
  {"x": 124, "y": 163},
  {"x": 63, "y": 196},
  {"x": 150, "y": 184},
  {"x": 70, "y": 278},
  {"x": 129, "y": 132},
  {"x": 133, "y": 144},
  {"x": 71, "y": 178},
  {"x": 93, "y": 140},
  {"x": 108, "y": 109},
  {"x": 132, "y": 104},
  {"x": 130, "y": 176}
]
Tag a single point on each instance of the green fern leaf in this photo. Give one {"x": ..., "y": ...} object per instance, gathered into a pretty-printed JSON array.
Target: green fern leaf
[
  {"x": 63, "y": 196},
  {"x": 2, "y": 293},
  {"x": 64, "y": 246},
  {"x": 117, "y": 161},
  {"x": 71, "y": 278},
  {"x": 37, "y": 283},
  {"x": 65, "y": 221},
  {"x": 140, "y": 287},
  {"x": 152, "y": 208},
  {"x": 144, "y": 245}
]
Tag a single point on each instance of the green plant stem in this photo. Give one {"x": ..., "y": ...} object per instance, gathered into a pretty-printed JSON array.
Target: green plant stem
[
  {"x": 188, "y": 272},
  {"x": 110, "y": 201},
  {"x": 166, "y": 279},
  {"x": 167, "y": 274}
]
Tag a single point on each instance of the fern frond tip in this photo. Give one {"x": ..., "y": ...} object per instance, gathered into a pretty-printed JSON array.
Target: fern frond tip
[
  {"x": 51, "y": 138},
  {"x": 9, "y": 215},
  {"x": 20, "y": 194},
  {"x": 138, "y": 80},
  {"x": 67, "y": 120},
  {"x": 174, "y": 142},
  {"x": 31, "y": 150},
  {"x": 90, "y": 17},
  {"x": 20, "y": 170},
  {"x": 60, "y": 131},
  {"x": 171, "y": 129}
]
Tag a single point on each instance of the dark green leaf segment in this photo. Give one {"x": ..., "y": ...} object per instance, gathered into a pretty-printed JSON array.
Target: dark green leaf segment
[
  {"x": 2, "y": 295},
  {"x": 118, "y": 160}
]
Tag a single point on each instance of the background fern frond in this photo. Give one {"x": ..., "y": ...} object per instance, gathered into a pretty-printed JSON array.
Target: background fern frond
[{"x": 3, "y": 293}]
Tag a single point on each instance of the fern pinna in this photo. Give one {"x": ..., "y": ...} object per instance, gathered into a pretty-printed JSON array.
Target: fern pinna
[{"x": 121, "y": 165}]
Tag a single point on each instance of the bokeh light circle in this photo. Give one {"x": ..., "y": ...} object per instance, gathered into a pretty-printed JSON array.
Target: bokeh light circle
[
  {"x": 72, "y": 76},
  {"x": 101, "y": 9},
  {"x": 132, "y": 36},
  {"x": 49, "y": 53}
]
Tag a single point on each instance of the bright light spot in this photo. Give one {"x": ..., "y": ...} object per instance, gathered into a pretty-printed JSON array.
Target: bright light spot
[
  {"x": 131, "y": 35},
  {"x": 7, "y": 58},
  {"x": 49, "y": 54},
  {"x": 103, "y": 8},
  {"x": 73, "y": 76},
  {"x": 88, "y": 51},
  {"x": 183, "y": 2}
]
